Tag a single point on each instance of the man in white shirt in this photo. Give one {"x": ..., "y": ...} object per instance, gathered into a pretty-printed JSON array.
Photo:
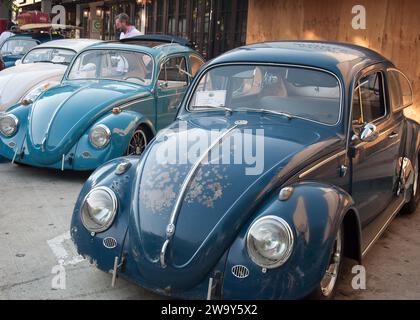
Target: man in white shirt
[
  {"x": 7, "y": 34},
  {"x": 122, "y": 23}
]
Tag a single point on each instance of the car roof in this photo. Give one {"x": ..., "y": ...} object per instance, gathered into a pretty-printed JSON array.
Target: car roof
[
  {"x": 72, "y": 44},
  {"x": 42, "y": 37},
  {"x": 154, "y": 48},
  {"x": 340, "y": 58}
]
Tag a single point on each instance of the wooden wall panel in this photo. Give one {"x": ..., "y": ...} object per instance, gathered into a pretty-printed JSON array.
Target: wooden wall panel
[{"x": 393, "y": 28}]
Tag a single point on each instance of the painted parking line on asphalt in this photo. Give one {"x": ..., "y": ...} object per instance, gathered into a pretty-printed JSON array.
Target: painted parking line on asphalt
[{"x": 60, "y": 246}]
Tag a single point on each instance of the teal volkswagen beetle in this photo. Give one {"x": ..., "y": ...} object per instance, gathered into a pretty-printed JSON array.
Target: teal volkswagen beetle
[{"x": 112, "y": 100}]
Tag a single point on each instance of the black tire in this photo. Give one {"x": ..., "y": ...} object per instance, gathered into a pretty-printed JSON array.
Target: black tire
[
  {"x": 412, "y": 205},
  {"x": 138, "y": 142},
  {"x": 327, "y": 287}
]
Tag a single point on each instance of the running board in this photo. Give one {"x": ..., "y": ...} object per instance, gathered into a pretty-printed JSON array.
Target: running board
[{"x": 383, "y": 228}]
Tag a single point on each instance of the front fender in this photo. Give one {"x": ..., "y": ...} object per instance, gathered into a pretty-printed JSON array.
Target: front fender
[
  {"x": 9, "y": 145},
  {"x": 315, "y": 211},
  {"x": 91, "y": 245},
  {"x": 122, "y": 126}
]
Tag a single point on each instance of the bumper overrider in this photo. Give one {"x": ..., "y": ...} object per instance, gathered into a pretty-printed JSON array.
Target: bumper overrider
[{"x": 234, "y": 275}]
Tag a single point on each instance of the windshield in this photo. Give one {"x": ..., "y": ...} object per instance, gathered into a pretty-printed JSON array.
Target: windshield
[
  {"x": 53, "y": 55},
  {"x": 17, "y": 46},
  {"x": 135, "y": 67},
  {"x": 296, "y": 92}
]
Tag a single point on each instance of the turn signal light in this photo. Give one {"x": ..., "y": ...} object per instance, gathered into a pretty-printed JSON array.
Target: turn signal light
[{"x": 116, "y": 110}]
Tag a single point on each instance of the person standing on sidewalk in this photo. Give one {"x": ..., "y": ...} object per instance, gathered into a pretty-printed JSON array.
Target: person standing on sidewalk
[
  {"x": 122, "y": 23},
  {"x": 8, "y": 33}
]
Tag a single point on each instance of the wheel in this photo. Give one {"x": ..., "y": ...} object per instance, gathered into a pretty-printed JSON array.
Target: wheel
[
  {"x": 138, "y": 142},
  {"x": 411, "y": 206},
  {"x": 328, "y": 285}
]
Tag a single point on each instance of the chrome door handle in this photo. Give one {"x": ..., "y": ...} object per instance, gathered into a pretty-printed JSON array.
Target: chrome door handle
[{"x": 393, "y": 135}]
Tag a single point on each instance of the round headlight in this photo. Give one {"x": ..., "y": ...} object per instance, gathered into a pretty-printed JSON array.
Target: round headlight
[
  {"x": 100, "y": 135},
  {"x": 270, "y": 242},
  {"x": 8, "y": 124},
  {"x": 98, "y": 209}
]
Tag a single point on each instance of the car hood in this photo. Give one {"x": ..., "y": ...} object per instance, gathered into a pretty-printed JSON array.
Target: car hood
[
  {"x": 219, "y": 198},
  {"x": 17, "y": 81},
  {"x": 62, "y": 114}
]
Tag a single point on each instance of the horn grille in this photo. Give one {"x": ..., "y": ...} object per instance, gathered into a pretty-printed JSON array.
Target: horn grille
[
  {"x": 240, "y": 272},
  {"x": 110, "y": 243}
]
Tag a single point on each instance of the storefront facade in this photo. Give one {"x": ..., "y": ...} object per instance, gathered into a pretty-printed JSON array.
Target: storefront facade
[{"x": 214, "y": 25}]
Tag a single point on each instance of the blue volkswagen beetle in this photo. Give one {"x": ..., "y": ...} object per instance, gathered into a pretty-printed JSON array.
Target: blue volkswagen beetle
[
  {"x": 15, "y": 47},
  {"x": 112, "y": 100},
  {"x": 285, "y": 158}
]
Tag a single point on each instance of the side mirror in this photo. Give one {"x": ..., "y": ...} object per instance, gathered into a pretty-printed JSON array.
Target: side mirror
[
  {"x": 18, "y": 62},
  {"x": 369, "y": 133}
]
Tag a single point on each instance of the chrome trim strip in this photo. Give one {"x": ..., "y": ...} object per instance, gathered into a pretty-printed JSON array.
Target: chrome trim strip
[
  {"x": 247, "y": 63},
  {"x": 163, "y": 253},
  {"x": 170, "y": 230},
  {"x": 137, "y": 99},
  {"x": 381, "y": 231},
  {"x": 47, "y": 131},
  {"x": 320, "y": 164}
]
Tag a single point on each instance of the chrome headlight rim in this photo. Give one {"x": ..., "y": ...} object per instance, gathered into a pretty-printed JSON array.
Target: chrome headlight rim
[
  {"x": 279, "y": 221},
  {"x": 14, "y": 119},
  {"x": 89, "y": 224},
  {"x": 107, "y": 133}
]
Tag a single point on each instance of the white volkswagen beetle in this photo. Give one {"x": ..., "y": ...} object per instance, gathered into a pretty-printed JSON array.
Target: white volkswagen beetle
[{"x": 41, "y": 68}]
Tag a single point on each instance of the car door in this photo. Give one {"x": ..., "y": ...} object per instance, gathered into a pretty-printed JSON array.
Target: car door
[
  {"x": 171, "y": 86},
  {"x": 374, "y": 159}
]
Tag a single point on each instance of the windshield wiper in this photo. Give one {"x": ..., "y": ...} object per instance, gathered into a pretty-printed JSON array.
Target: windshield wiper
[
  {"x": 215, "y": 107},
  {"x": 43, "y": 61},
  {"x": 262, "y": 110},
  {"x": 49, "y": 61}
]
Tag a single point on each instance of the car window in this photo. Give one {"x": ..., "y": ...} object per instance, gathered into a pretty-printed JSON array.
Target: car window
[
  {"x": 53, "y": 55},
  {"x": 400, "y": 89},
  {"x": 301, "y": 92},
  {"x": 370, "y": 97},
  {"x": 196, "y": 64},
  {"x": 135, "y": 67},
  {"x": 173, "y": 73},
  {"x": 17, "y": 46}
]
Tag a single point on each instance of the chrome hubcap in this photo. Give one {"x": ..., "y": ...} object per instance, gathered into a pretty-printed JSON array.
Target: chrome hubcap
[
  {"x": 137, "y": 144},
  {"x": 330, "y": 278}
]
